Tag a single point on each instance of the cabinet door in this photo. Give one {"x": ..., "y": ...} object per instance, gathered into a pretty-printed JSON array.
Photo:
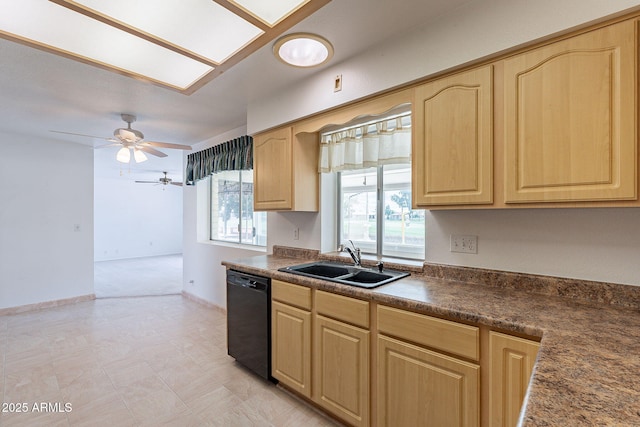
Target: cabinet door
[
  {"x": 341, "y": 370},
  {"x": 453, "y": 140},
  {"x": 419, "y": 387},
  {"x": 291, "y": 347},
  {"x": 570, "y": 131},
  {"x": 512, "y": 361},
  {"x": 272, "y": 170}
]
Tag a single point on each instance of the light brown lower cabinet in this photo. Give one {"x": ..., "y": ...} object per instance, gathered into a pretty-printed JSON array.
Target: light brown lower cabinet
[
  {"x": 512, "y": 361},
  {"x": 291, "y": 336},
  {"x": 420, "y": 387},
  {"x": 291, "y": 347},
  {"x": 341, "y": 370},
  {"x": 418, "y": 370},
  {"x": 428, "y": 370}
]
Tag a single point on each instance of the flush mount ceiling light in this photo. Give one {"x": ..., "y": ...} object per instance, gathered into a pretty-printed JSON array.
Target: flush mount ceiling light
[
  {"x": 179, "y": 44},
  {"x": 303, "y": 50}
]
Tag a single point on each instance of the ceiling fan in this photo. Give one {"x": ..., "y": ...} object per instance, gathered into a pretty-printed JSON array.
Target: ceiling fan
[
  {"x": 164, "y": 181},
  {"x": 132, "y": 140}
]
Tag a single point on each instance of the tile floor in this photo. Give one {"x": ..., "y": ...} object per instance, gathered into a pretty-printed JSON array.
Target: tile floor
[{"x": 146, "y": 361}]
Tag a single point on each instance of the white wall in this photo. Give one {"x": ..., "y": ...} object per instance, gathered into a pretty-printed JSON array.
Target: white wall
[
  {"x": 202, "y": 259},
  {"x": 136, "y": 220},
  {"x": 280, "y": 226},
  {"x": 46, "y": 190},
  {"x": 594, "y": 244}
]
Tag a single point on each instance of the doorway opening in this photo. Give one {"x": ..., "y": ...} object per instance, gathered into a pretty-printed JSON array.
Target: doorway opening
[{"x": 138, "y": 225}]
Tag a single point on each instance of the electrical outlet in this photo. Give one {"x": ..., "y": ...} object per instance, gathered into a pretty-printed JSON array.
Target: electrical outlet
[
  {"x": 296, "y": 233},
  {"x": 464, "y": 244}
]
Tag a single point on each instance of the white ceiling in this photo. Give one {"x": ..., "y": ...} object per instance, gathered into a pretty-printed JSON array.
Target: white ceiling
[{"x": 42, "y": 92}]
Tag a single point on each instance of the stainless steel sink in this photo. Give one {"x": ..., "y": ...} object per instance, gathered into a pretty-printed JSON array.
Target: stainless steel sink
[{"x": 345, "y": 274}]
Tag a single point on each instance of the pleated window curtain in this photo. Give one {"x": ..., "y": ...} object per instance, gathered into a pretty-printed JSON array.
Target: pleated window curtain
[
  {"x": 233, "y": 155},
  {"x": 384, "y": 142}
]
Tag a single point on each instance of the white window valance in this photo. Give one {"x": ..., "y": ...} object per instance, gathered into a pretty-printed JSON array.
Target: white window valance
[{"x": 384, "y": 142}]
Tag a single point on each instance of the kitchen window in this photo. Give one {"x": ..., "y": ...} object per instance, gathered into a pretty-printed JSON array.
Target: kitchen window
[
  {"x": 232, "y": 217},
  {"x": 373, "y": 165},
  {"x": 376, "y": 214}
]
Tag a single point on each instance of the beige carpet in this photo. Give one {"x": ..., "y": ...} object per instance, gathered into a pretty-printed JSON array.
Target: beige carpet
[{"x": 159, "y": 275}]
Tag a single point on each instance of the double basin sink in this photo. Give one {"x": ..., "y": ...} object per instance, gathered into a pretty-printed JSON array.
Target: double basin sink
[{"x": 345, "y": 274}]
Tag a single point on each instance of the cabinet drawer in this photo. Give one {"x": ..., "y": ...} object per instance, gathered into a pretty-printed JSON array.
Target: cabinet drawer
[
  {"x": 452, "y": 337},
  {"x": 296, "y": 295},
  {"x": 343, "y": 308}
]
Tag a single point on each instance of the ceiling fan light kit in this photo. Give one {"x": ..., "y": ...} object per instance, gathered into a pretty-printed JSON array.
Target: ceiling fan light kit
[
  {"x": 139, "y": 156},
  {"x": 123, "y": 156},
  {"x": 131, "y": 139}
]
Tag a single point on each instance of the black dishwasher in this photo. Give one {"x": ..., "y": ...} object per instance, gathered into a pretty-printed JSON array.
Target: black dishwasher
[{"x": 249, "y": 321}]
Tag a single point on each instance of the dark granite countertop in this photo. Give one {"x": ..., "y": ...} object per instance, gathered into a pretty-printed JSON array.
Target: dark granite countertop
[{"x": 588, "y": 366}]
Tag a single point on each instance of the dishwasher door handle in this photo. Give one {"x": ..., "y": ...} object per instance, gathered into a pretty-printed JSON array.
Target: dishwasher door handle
[{"x": 251, "y": 284}]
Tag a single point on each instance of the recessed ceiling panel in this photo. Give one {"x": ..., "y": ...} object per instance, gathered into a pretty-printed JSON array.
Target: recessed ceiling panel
[
  {"x": 60, "y": 30},
  {"x": 178, "y": 44},
  {"x": 270, "y": 11},
  {"x": 201, "y": 27}
]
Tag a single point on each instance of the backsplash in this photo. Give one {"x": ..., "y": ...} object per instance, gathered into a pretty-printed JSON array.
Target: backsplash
[
  {"x": 582, "y": 290},
  {"x": 290, "y": 252}
]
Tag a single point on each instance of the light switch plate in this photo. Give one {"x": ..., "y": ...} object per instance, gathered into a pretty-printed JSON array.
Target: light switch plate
[{"x": 337, "y": 83}]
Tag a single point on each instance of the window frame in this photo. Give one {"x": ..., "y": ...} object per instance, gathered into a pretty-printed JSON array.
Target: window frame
[{"x": 212, "y": 226}]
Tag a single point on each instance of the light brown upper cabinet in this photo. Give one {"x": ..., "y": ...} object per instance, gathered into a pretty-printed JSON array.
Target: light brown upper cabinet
[
  {"x": 453, "y": 140},
  {"x": 570, "y": 119},
  {"x": 285, "y": 171}
]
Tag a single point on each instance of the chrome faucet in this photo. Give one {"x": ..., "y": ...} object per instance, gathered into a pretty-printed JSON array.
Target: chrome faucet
[{"x": 355, "y": 254}]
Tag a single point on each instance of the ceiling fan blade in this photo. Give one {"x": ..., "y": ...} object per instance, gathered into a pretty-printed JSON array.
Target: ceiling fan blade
[
  {"x": 115, "y": 144},
  {"x": 81, "y": 134},
  {"x": 179, "y": 184},
  {"x": 147, "y": 182},
  {"x": 167, "y": 145},
  {"x": 150, "y": 150}
]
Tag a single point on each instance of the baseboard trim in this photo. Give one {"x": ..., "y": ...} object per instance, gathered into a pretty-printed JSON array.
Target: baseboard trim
[
  {"x": 46, "y": 304},
  {"x": 201, "y": 301}
]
